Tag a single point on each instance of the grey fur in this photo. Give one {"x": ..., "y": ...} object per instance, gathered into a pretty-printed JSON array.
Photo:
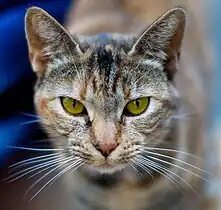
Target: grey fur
[{"x": 105, "y": 73}]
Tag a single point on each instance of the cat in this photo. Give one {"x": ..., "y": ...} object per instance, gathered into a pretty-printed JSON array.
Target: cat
[{"x": 111, "y": 101}]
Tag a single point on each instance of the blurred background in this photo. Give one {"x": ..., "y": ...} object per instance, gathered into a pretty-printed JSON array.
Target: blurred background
[{"x": 202, "y": 52}]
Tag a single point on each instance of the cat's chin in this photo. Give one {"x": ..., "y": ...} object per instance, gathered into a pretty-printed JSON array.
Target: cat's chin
[
  {"x": 120, "y": 171},
  {"x": 105, "y": 169}
]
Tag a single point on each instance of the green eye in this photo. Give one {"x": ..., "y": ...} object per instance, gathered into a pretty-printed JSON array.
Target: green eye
[
  {"x": 137, "y": 106},
  {"x": 72, "y": 106}
]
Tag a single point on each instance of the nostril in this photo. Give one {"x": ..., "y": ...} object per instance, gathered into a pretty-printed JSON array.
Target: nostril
[{"x": 106, "y": 148}]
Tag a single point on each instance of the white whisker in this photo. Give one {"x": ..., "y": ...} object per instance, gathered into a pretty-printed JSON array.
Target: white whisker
[
  {"x": 167, "y": 170},
  {"x": 173, "y": 150},
  {"x": 160, "y": 170},
  {"x": 182, "y": 116},
  {"x": 133, "y": 166},
  {"x": 33, "y": 149},
  {"x": 176, "y": 159},
  {"x": 145, "y": 168},
  {"x": 169, "y": 163},
  {"x": 30, "y": 122},
  {"x": 31, "y": 169},
  {"x": 178, "y": 116},
  {"x": 33, "y": 160},
  {"x": 42, "y": 170},
  {"x": 67, "y": 160},
  {"x": 76, "y": 163},
  {"x": 29, "y": 115}
]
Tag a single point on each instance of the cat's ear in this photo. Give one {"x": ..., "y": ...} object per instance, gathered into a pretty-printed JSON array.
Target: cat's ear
[
  {"x": 162, "y": 40},
  {"x": 46, "y": 38}
]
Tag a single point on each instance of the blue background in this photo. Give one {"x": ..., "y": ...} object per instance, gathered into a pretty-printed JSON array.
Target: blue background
[{"x": 16, "y": 76}]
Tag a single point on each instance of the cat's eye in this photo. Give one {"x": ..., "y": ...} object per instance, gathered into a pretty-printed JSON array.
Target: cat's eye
[
  {"x": 137, "y": 106},
  {"x": 72, "y": 106}
]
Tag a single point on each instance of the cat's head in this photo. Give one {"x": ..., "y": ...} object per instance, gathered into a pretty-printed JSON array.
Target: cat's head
[{"x": 107, "y": 97}]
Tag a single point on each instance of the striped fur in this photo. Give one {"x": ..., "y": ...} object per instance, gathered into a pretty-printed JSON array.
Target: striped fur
[{"x": 105, "y": 72}]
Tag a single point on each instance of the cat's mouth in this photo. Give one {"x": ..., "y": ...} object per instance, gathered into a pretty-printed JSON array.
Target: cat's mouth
[{"x": 107, "y": 168}]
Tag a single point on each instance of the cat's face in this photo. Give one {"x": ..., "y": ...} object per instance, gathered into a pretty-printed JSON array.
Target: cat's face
[{"x": 105, "y": 97}]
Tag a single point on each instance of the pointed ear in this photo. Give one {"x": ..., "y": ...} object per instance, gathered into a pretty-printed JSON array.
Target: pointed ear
[
  {"x": 46, "y": 38},
  {"x": 162, "y": 40}
]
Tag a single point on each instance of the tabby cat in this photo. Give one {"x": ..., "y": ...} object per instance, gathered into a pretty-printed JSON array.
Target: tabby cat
[{"x": 110, "y": 106}]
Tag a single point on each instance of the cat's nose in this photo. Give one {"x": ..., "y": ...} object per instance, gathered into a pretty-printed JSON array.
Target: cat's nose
[{"x": 106, "y": 148}]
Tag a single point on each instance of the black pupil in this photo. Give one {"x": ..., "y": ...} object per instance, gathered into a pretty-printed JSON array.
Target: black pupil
[
  {"x": 137, "y": 103},
  {"x": 74, "y": 103}
]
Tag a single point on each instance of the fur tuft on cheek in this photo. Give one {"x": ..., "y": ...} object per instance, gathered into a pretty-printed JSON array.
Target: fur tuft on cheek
[
  {"x": 43, "y": 108},
  {"x": 43, "y": 104}
]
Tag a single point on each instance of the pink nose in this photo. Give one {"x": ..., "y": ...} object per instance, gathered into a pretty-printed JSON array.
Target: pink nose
[{"x": 106, "y": 148}]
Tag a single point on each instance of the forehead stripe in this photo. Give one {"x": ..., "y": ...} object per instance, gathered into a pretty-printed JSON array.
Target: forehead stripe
[{"x": 106, "y": 63}]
